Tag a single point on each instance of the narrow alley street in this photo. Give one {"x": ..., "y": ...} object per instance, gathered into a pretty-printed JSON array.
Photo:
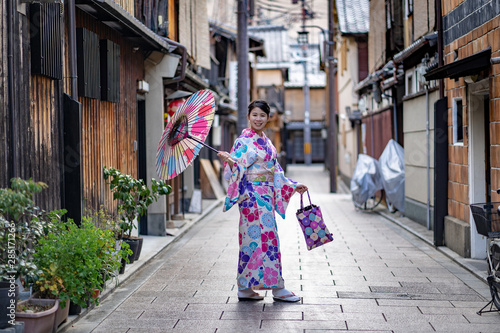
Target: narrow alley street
[{"x": 374, "y": 276}]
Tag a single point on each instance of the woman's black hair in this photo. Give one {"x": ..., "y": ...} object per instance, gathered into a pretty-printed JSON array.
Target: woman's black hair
[{"x": 261, "y": 105}]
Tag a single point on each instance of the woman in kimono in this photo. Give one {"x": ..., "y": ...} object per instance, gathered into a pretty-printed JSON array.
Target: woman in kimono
[{"x": 258, "y": 185}]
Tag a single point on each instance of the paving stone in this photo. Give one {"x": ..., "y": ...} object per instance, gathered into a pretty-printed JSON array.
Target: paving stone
[
  {"x": 250, "y": 330},
  {"x": 405, "y": 319},
  {"x": 413, "y": 296},
  {"x": 137, "y": 323},
  {"x": 468, "y": 304},
  {"x": 99, "y": 329},
  {"x": 325, "y": 315},
  {"x": 235, "y": 325},
  {"x": 299, "y": 307},
  {"x": 191, "y": 315},
  {"x": 241, "y": 306},
  {"x": 422, "y": 289},
  {"x": 429, "y": 310},
  {"x": 275, "y": 315},
  {"x": 343, "y": 331},
  {"x": 369, "y": 308},
  {"x": 464, "y": 328},
  {"x": 328, "y": 290},
  {"x": 170, "y": 330},
  {"x": 295, "y": 326},
  {"x": 411, "y": 302}
]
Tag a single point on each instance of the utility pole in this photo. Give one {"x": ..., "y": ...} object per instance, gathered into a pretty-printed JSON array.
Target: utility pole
[
  {"x": 332, "y": 124},
  {"x": 242, "y": 75},
  {"x": 303, "y": 41}
]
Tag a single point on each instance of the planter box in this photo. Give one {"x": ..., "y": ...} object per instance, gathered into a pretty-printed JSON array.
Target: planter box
[
  {"x": 40, "y": 322},
  {"x": 61, "y": 315}
]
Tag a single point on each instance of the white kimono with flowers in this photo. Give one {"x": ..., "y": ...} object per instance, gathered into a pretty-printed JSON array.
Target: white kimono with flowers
[{"x": 258, "y": 185}]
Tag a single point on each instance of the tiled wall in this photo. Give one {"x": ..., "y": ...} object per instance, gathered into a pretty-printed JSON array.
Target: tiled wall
[{"x": 486, "y": 34}]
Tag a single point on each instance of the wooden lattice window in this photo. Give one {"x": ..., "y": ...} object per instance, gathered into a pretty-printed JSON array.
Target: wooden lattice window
[
  {"x": 110, "y": 71},
  {"x": 46, "y": 39},
  {"x": 89, "y": 83}
]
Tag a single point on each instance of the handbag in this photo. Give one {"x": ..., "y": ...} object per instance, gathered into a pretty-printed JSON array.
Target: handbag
[{"x": 313, "y": 227}]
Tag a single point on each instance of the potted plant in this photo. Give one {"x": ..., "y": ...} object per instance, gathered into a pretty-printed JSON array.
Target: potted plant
[
  {"x": 38, "y": 315},
  {"x": 105, "y": 220},
  {"x": 49, "y": 285},
  {"x": 22, "y": 225},
  {"x": 135, "y": 198},
  {"x": 76, "y": 262}
]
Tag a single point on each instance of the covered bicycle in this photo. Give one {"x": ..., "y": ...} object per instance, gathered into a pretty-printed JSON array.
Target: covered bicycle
[{"x": 366, "y": 182}]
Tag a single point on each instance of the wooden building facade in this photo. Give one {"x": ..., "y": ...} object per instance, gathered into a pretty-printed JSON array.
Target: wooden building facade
[
  {"x": 68, "y": 94},
  {"x": 30, "y": 106}
]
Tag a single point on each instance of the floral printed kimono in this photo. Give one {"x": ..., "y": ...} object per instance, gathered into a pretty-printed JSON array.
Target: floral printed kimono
[{"x": 258, "y": 185}]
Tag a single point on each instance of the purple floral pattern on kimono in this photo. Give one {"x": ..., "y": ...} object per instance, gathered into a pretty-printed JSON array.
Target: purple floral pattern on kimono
[{"x": 258, "y": 185}]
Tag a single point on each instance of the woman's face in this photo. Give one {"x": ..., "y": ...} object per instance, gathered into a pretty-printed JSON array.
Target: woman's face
[{"x": 258, "y": 119}]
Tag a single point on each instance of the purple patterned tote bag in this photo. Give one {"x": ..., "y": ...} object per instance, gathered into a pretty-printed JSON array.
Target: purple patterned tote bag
[{"x": 311, "y": 221}]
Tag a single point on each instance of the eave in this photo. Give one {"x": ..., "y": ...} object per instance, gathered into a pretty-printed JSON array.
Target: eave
[
  {"x": 117, "y": 18},
  {"x": 464, "y": 67}
]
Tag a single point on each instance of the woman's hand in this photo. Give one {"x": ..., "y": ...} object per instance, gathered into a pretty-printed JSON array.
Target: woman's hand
[
  {"x": 301, "y": 188},
  {"x": 226, "y": 157}
]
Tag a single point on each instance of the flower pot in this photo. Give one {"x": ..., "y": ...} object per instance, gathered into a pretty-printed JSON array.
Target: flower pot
[
  {"x": 139, "y": 248},
  {"x": 8, "y": 301},
  {"x": 122, "y": 269},
  {"x": 74, "y": 309},
  {"x": 61, "y": 314},
  {"x": 134, "y": 245},
  {"x": 40, "y": 322}
]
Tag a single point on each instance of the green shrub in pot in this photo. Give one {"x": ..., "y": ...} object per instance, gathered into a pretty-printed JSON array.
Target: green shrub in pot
[
  {"x": 80, "y": 257},
  {"x": 134, "y": 195},
  {"x": 22, "y": 225}
]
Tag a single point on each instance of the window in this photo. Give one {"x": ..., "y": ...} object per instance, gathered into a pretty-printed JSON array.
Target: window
[
  {"x": 458, "y": 131},
  {"x": 343, "y": 59},
  {"x": 46, "y": 39},
  {"x": 89, "y": 82},
  {"x": 110, "y": 70},
  {"x": 409, "y": 83},
  {"x": 409, "y": 8}
]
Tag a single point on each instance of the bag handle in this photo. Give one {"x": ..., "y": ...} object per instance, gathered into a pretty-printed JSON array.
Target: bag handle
[{"x": 301, "y": 201}]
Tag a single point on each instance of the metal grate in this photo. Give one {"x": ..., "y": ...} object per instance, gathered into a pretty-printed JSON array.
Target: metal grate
[
  {"x": 89, "y": 84},
  {"x": 110, "y": 71},
  {"x": 46, "y": 39}
]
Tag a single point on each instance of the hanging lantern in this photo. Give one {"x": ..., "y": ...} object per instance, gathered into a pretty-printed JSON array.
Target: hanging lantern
[{"x": 172, "y": 107}]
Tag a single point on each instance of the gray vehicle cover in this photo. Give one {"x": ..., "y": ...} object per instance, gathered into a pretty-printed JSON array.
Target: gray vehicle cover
[
  {"x": 392, "y": 170},
  {"x": 366, "y": 180}
]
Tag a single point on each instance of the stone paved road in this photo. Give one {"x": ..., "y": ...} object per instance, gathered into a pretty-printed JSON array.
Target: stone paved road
[{"x": 375, "y": 277}]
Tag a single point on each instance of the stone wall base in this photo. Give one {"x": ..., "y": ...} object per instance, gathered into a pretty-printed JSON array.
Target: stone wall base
[{"x": 457, "y": 236}]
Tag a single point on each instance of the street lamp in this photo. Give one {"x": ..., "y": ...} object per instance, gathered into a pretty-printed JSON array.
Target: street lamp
[{"x": 304, "y": 43}]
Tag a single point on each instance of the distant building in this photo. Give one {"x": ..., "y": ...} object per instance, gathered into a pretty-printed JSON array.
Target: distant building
[{"x": 352, "y": 68}]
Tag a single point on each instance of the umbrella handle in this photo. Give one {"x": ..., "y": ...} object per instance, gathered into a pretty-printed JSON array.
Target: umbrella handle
[{"x": 209, "y": 147}]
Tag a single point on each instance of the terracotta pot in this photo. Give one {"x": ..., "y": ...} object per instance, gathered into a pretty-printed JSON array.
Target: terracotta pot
[{"x": 40, "y": 322}]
